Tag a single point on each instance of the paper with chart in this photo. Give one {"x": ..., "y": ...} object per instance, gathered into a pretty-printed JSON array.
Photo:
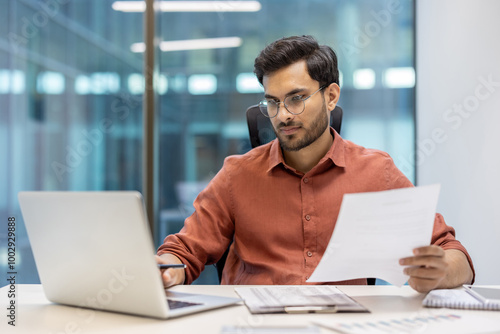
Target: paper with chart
[
  {"x": 431, "y": 322},
  {"x": 374, "y": 230},
  {"x": 272, "y": 299}
]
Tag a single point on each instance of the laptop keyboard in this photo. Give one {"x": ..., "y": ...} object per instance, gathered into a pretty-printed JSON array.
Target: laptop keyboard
[{"x": 173, "y": 304}]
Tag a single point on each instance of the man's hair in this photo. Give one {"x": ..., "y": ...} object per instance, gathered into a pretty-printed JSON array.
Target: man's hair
[{"x": 321, "y": 60}]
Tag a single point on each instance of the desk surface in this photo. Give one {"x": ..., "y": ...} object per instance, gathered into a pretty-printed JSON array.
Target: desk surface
[{"x": 35, "y": 314}]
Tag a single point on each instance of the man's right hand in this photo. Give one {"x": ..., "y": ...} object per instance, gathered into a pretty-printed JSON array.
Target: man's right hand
[{"x": 171, "y": 276}]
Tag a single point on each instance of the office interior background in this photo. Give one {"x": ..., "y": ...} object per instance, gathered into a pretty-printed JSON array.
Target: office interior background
[
  {"x": 72, "y": 85},
  {"x": 72, "y": 93}
]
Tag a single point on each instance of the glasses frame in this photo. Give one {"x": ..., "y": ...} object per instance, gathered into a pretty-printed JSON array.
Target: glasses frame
[{"x": 263, "y": 104}]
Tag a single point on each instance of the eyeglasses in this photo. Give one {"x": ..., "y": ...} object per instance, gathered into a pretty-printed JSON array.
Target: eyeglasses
[{"x": 294, "y": 104}]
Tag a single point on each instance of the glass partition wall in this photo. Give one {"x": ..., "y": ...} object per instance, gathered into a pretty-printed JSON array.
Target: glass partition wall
[
  {"x": 72, "y": 85},
  {"x": 70, "y": 110}
]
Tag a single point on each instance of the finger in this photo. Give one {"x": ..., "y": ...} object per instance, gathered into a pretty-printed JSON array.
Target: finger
[
  {"x": 168, "y": 278},
  {"x": 424, "y": 273},
  {"x": 424, "y": 256},
  {"x": 424, "y": 261},
  {"x": 431, "y": 250}
]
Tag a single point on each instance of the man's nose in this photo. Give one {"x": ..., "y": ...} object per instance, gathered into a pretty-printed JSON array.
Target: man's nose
[{"x": 283, "y": 114}]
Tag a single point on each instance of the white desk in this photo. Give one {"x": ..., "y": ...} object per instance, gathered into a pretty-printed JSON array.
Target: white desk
[{"x": 35, "y": 314}]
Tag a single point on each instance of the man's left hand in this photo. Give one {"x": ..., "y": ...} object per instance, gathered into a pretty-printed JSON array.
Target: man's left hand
[{"x": 427, "y": 268}]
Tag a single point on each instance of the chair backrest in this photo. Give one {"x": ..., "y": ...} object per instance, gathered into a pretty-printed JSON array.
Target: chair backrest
[{"x": 261, "y": 131}]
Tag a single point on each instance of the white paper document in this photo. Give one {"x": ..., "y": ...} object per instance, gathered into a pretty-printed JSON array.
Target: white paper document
[
  {"x": 441, "y": 321},
  {"x": 376, "y": 229}
]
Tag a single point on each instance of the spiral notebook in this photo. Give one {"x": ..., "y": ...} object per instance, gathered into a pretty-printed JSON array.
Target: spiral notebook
[{"x": 465, "y": 297}]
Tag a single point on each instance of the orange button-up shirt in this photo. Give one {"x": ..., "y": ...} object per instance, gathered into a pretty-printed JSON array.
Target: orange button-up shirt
[{"x": 280, "y": 219}]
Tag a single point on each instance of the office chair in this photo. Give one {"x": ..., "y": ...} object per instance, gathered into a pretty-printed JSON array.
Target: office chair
[{"x": 261, "y": 132}]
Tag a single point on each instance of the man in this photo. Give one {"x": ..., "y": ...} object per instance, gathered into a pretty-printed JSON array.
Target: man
[{"x": 278, "y": 203}]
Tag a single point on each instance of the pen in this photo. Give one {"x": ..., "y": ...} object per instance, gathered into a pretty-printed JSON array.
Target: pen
[
  {"x": 166, "y": 266},
  {"x": 311, "y": 309}
]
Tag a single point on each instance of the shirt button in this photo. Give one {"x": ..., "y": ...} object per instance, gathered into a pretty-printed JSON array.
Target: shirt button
[
  {"x": 308, "y": 217},
  {"x": 306, "y": 180},
  {"x": 309, "y": 254}
]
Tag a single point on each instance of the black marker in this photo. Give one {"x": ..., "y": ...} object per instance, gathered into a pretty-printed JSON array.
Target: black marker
[{"x": 166, "y": 266}]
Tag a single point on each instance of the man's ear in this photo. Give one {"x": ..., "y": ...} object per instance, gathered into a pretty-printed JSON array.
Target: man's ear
[{"x": 332, "y": 95}]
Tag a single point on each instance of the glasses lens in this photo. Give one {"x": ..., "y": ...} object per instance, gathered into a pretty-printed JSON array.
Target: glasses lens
[
  {"x": 268, "y": 108},
  {"x": 294, "y": 104}
]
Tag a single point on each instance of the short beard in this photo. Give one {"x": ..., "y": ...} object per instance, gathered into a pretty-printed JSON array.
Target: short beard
[{"x": 318, "y": 127}]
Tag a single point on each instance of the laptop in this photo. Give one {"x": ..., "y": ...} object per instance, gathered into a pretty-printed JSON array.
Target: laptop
[{"x": 94, "y": 250}]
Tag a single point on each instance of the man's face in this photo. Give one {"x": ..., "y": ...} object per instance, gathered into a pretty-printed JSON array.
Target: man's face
[{"x": 296, "y": 132}]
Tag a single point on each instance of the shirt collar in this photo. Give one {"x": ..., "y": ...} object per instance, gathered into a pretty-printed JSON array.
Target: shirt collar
[{"x": 335, "y": 153}]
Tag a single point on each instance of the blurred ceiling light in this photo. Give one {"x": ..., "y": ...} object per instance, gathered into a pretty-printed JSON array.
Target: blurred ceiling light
[
  {"x": 399, "y": 77},
  {"x": 202, "y": 84},
  {"x": 50, "y": 83},
  {"x": 193, "y": 44},
  {"x": 138, "y": 47},
  {"x": 364, "y": 78},
  {"x": 129, "y": 6},
  {"x": 189, "y": 6},
  {"x": 248, "y": 83},
  {"x": 12, "y": 81}
]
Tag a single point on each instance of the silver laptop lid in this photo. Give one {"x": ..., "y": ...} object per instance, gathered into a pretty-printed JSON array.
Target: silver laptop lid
[{"x": 91, "y": 251}]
